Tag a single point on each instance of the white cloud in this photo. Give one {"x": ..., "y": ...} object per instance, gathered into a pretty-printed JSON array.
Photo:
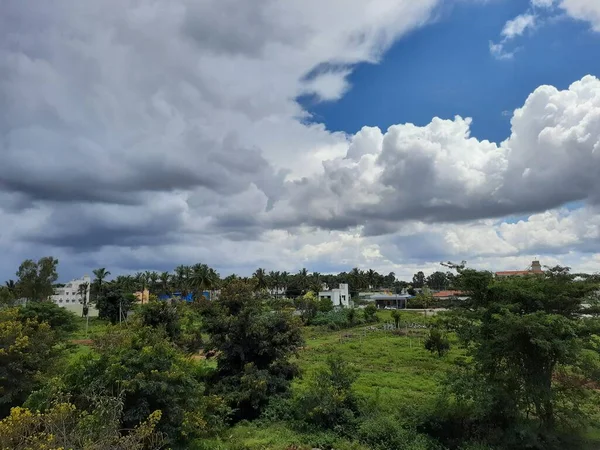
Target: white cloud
[
  {"x": 587, "y": 10},
  {"x": 439, "y": 173},
  {"x": 518, "y": 25}
]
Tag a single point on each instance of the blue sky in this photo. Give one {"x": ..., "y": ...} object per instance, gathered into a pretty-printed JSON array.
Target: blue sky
[
  {"x": 446, "y": 69},
  {"x": 178, "y": 136}
]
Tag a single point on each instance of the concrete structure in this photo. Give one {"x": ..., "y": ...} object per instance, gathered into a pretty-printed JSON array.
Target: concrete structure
[
  {"x": 392, "y": 301},
  {"x": 339, "y": 297},
  {"x": 534, "y": 269},
  {"x": 69, "y": 297}
]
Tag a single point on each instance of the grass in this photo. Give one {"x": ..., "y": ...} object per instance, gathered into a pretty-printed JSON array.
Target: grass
[{"x": 96, "y": 327}]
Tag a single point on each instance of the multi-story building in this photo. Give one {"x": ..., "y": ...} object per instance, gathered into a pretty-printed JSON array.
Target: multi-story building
[
  {"x": 69, "y": 296},
  {"x": 339, "y": 297}
]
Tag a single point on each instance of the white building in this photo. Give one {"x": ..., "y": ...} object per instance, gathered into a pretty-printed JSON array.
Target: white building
[
  {"x": 339, "y": 297},
  {"x": 69, "y": 297}
]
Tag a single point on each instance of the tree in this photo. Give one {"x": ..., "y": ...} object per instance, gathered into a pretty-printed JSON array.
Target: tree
[
  {"x": 82, "y": 290},
  {"x": 27, "y": 351},
  {"x": 519, "y": 332},
  {"x": 36, "y": 279},
  {"x": 165, "y": 279},
  {"x": 418, "y": 280},
  {"x": 151, "y": 374},
  {"x": 254, "y": 346},
  {"x": 113, "y": 304},
  {"x": 61, "y": 321},
  {"x": 396, "y": 316},
  {"x": 437, "y": 281},
  {"x": 64, "y": 426},
  {"x": 101, "y": 275},
  {"x": 437, "y": 342}
]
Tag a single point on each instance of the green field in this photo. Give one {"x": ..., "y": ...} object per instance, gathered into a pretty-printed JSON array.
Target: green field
[{"x": 395, "y": 372}]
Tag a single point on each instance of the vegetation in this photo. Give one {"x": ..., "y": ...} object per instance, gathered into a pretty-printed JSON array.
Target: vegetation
[{"x": 515, "y": 366}]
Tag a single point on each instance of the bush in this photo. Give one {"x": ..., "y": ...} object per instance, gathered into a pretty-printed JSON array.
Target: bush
[
  {"x": 64, "y": 426},
  {"x": 152, "y": 374},
  {"x": 329, "y": 401},
  {"x": 27, "y": 351},
  {"x": 437, "y": 341},
  {"x": 370, "y": 313},
  {"x": 60, "y": 320},
  {"x": 387, "y": 433}
]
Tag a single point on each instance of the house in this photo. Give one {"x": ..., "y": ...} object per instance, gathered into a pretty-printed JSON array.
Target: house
[
  {"x": 391, "y": 301},
  {"x": 534, "y": 269},
  {"x": 448, "y": 295},
  {"x": 339, "y": 297},
  {"x": 70, "y": 298}
]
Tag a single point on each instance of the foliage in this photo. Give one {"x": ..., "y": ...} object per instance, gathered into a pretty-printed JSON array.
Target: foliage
[
  {"x": 253, "y": 346},
  {"x": 27, "y": 351},
  {"x": 520, "y": 333},
  {"x": 385, "y": 432},
  {"x": 437, "y": 342},
  {"x": 308, "y": 305},
  {"x": 36, "y": 279},
  {"x": 370, "y": 313},
  {"x": 113, "y": 304},
  {"x": 396, "y": 315},
  {"x": 151, "y": 374},
  {"x": 63, "y": 426},
  {"x": 325, "y": 305},
  {"x": 337, "y": 319},
  {"x": 329, "y": 401},
  {"x": 180, "y": 322},
  {"x": 60, "y": 319}
]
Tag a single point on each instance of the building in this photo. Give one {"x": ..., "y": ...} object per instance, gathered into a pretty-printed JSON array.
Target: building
[
  {"x": 448, "y": 295},
  {"x": 339, "y": 297},
  {"x": 70, "y": 298},
  {"x": 391, "y": 301},
  {"x": 534, "y": 269},
  {"x": 142, "y": 297}
]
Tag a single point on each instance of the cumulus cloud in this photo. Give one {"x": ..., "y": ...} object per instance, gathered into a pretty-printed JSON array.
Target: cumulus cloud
[
  {"x": 141, "y": 135},
  {"x": 440, "y": 173}
]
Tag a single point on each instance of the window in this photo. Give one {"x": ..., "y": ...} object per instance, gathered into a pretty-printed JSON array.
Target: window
[{"x": 60, "y": 301}]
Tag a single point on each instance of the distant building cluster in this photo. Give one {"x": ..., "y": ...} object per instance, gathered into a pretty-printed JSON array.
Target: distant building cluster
[{"x": 339, "y": 297}]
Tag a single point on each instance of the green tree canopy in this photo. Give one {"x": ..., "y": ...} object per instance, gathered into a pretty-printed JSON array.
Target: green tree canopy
[{"x": 36, "y": 279}]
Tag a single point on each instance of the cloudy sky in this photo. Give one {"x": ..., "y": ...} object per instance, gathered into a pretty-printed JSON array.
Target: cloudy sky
[{"x": 327, "y": 134}]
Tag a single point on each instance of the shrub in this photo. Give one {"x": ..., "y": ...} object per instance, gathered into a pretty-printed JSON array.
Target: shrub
[
  {"x": 27, "y": 351},
  {"x": 329, "y": 401},
  {"x": 60, "y": 320},
  {"x": 387, "y": 433},
  {"x": 151, "y": 374},
  {"x": 370, "y": 313},
  {"x": 437, "y": 342},
  {"x": 64, "y": 426}
]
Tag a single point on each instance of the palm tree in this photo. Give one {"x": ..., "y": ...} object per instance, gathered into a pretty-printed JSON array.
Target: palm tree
[
  {"x": 371, "y": 277},
  {"x": 285, "y": 281},
  {"x": 316, "y": 282},
  {"x": 153, "y": 282},
  {"x": 164, "y": 279},
  {"x": 11, "y": 286},
  {"x": 260, "y": 277},
  {"x": 302, "y": 278},
  {"x": 182, "y": 277},
  {"x": 101, "y": 274},
  {"x": 82, "y": 290}
]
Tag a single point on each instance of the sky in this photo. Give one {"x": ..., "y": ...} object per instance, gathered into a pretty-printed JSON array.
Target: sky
[{"x": 387, "y": 134}]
